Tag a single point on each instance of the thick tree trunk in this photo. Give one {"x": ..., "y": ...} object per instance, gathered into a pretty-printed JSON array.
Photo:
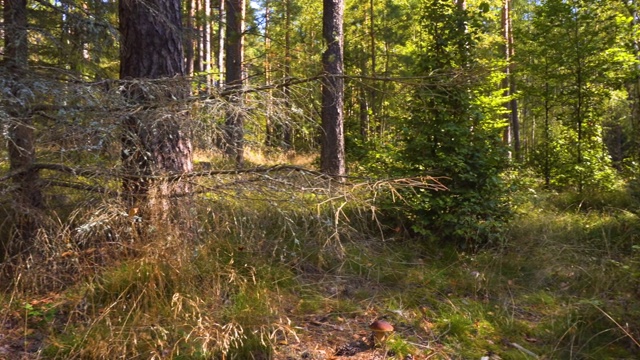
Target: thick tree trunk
[
  {"x": 234, "y": 132},
  {"x": 153, "y": 142},
  {"x": 332, "y": 160},
  {"x": 21, "y": 137}
]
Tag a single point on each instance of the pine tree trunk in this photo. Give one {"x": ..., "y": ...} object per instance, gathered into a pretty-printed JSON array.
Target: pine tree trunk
[
  {"x": 234, "y": 47},
  {"x": 332, "y": 160},
  {"x": 221, "y": 40},
  {"x": 504, "y": 24},
  {"x": 189, "y": 38},
  {"x": 372, "y": 47},
  {"x": 153, "y": 142},
  {"x": 21, "y": 137},
  {"x": 287, "y": 128},
  {"x": 269, "y": 138},
  {"x": 515, "y": 121},
  {"x": 199, "y": 54},
  {"x": 206, "y": 45}
]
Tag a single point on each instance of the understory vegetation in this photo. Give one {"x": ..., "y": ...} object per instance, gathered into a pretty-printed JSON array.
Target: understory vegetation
[
  {"x": 283, "y": 274},
  {"x": 232, "y": 179}
]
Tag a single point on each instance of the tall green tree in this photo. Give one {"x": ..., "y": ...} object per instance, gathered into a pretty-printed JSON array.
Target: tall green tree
[
  {"x": 573, "y": 59},
  {"x": 453, "y": 130}
]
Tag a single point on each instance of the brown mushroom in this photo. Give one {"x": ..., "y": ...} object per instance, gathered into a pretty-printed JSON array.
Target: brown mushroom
[{"x": 381, "y": 329}]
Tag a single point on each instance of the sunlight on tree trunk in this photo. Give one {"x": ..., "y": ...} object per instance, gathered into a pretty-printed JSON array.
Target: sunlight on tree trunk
[{"x": 234, "y": 46}]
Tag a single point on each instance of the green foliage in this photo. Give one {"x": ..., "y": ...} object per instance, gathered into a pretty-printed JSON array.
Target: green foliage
[
  {"x": 400, "y": 348},
  {"x": 452, "y": 132},
  {"x": 84, "y": 40},
  {"x": 573, "y": 59}
]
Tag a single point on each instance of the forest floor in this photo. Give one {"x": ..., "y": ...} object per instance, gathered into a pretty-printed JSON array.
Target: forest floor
[{"x": 278, "y": 283}]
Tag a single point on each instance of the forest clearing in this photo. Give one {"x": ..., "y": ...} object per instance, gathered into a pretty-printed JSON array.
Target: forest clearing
[{"x": 337, "y": 179}]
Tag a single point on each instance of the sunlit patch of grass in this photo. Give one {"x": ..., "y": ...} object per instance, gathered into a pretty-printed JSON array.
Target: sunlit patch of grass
[
  {"x": 254, "y": 156},
  {"x": 399, "y": 347}
]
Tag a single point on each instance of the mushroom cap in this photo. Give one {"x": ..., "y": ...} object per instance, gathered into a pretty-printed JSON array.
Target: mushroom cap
[{"x": 381, "y": 325}]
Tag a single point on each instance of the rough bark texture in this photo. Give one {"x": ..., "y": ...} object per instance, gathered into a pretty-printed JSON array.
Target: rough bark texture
[
  {"x": 15, "y": 34},
  {"x": 332, "y": 159},
  {"x": 234, "y": 132},
  {"x": 151, "y": 39},
  {"x": 21, "y": 137},
  {"x": 153, "y": 143}
]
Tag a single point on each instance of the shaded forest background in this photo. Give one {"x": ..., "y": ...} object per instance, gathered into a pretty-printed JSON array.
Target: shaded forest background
[{"x": 154, "y": 145}]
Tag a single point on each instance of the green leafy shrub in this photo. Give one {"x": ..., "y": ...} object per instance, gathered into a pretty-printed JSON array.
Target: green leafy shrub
[{"x": 453, "y": 132}]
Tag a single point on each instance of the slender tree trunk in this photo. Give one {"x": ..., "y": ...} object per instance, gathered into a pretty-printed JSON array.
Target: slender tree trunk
[
  {"x": 515, "y": 121},
  {"x": 547, "y": 129},
  {"x": 579, "y": 107},
  {"x": 206, "y": 44},
  {"x": 189, "y": 38},
  {"x": 21, "y": 136},
  {"x": 463, "y": 28},
  {"x": 287, "y": 128},
  {"x": 198, "y": 65},
  {"x": 504, "y": 24},
  {"x": 363, "y": 103},
  {"x": 234, "y": 46},
  {"x": 332, "y": 160},
  {"x": 221, "y": 39},
  {"x": 269, "y": 138},
  {"x": 372, "y": 37},
  {"x": 373, "y": 108},
  {"x": 153, "y": 142}
]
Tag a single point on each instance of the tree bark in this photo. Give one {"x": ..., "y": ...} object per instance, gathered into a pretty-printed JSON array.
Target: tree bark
[
  {"x": 507, "y": 137},
  {"x": 153, "y": 142},
  {"x": 221, "y": 40},
  {"x": 199, "y": 54},
  {"x": 21, "y": 136},
  {"x": 332, "y": 160},
  {"x": 206, "y": 45},
  {"x": 287, "y": 127},
  {"x": 515, "y": 120},
  {"x": 190, "y": 38},
  {"x": 269, "y": 139},
  {"x": 234, "y": 48},
  {"x": 372, "y": 47}
]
